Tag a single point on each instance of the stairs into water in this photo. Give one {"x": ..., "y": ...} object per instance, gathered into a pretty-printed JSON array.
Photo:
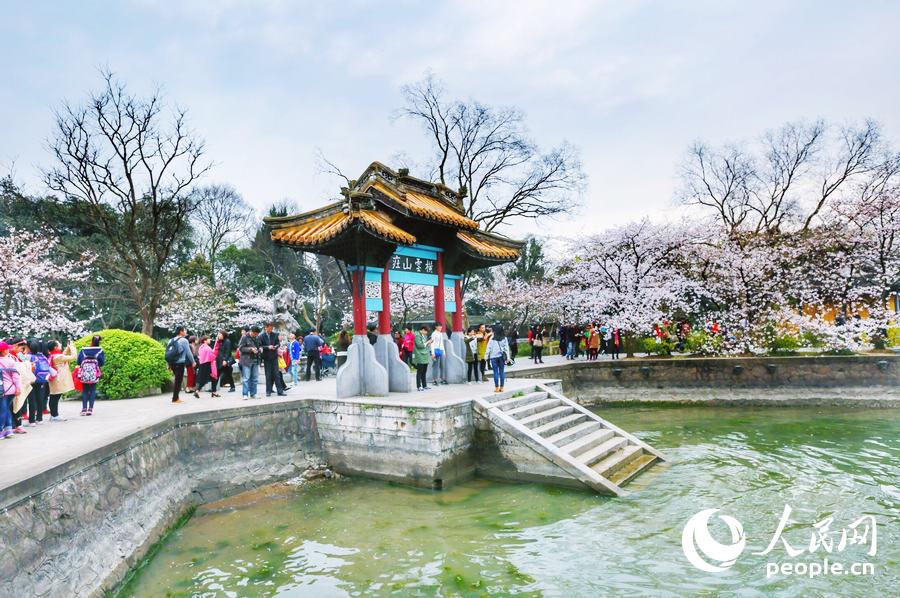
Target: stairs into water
[{"x": 586, "y": 447}]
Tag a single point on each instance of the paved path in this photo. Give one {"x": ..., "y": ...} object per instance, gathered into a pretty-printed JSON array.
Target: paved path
[{"x": 52, "y": 443}]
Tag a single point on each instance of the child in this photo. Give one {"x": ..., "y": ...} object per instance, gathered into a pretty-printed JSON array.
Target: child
[
  {"x": 19, "y": 352},
  {"x": 9, "y": 388},
  {"x": 90, "y": 362},
  {"x": 40, "y": 389}
]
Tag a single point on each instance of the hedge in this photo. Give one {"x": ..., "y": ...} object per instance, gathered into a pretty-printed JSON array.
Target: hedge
[{"x": 135, "y": 364}]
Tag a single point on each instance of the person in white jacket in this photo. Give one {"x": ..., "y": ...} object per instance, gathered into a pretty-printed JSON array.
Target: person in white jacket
[
  {"x": 438, "y": 355},
  {"x": 497, "y": 354}
]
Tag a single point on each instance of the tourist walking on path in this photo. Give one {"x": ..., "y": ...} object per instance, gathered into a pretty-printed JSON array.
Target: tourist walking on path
[
  {"x": 513, "y": 347},
  {"x": 9, "y": 388},
  {"x": 40, "y": 388},
  {"x": 295, "y": 349},
  {"x": 190, "y": 369},
  {"x": 498, "y": 352},
  {"x": 422, "y": 357},
  {"x": 472, "y": 365},
  {"x": 269, "y": 342},
  {"x": 90, "y": 361},
  {"x": 180, "y": 359},
  {"x": 19, "y": 352},
  {"x": 439, "y": 352},
  {"x": 537, "y": 344},
  {"x": 532, "y": 331},
  {"x": 61, "y": 382},
  {"x": 248, "y": 347},
  {"x": 312, "y": 344},
  {"x": 409, "y": 345},
  {"x": 206, "y": 368},
  {"x": 616, "y": 342},
  {"x": 484, "y": 337},
  {"x": 224, "y": 360},
  {"x": 594, "y": 343}
]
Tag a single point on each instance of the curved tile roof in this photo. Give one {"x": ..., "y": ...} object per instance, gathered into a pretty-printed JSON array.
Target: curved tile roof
[
  {"x": 319, "y": 231},
  {"x": 489, "y": 246}
]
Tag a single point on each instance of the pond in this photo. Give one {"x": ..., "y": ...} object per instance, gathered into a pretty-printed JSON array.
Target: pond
[{"x": 357, "y": 537}]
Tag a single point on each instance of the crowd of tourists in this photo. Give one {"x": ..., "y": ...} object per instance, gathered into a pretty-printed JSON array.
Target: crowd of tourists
[
  {"x": 207, "y": 361},
  {"x": 36, "y": 373},
  {"x": 591, "y": 341},
  {"x": 485, "y": 348}
]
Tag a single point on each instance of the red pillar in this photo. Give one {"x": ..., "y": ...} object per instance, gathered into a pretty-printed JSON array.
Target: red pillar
[
  {"x": 384, "y": 316},
  {"x": 358, "y": 278},
  {"x": 439, "y": 314},
  {"x": 458, "y": 314}
]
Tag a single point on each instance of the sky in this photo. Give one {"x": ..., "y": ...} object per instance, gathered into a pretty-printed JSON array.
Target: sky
[{"x": 630, "y": 84}]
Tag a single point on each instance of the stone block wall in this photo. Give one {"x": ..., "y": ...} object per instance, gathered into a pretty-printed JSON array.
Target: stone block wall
[
  {"x": 596, "y": 381},
  {"x": 426, "y": 447},
  {"x": 78, "y": 529}
]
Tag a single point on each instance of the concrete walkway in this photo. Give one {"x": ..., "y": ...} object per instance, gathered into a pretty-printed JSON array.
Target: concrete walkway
[{"x": 52, "y": 443}]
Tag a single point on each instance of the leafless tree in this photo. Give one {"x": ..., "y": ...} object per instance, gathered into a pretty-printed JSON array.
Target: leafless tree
[
  {"x": 485, "y": 151},
  {"x": 784, "y": 182},
  {"x": 129, "y": 167},
  {"x": 220, "y": 216}
]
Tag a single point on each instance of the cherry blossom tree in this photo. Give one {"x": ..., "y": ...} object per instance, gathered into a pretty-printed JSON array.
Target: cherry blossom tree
[
  {"x": 253, "y": 308},
  {"x": 411, "y": 300},
  {"x": 198, "y": 305},
  {"x": 39, "y": 292},
  {"x": 511, "y": 299},
  {"x": 628, "y": 276}
]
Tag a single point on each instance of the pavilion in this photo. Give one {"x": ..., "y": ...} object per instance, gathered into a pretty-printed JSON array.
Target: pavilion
[{"x": 392, "y": 227}]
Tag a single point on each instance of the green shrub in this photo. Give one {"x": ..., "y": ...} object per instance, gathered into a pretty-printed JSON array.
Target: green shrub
[
  {"x": 135, "y": 363},
  {"x": 893, "y": 336},
  {"x": 784, "y": 344},
  {"x": 701, "y": 342},
  {"x": 808, "y": 339},
  {"x": 651, "y": 347}
]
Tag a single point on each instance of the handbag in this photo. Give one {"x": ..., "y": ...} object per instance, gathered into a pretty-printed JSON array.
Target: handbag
[{"x": 538, "y": 342}]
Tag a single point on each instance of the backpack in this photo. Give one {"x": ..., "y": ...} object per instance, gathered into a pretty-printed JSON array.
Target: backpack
[
  {"x": 90, "y": 371},
  {"x": 172, "y": 350},
  {"x": 41, "y": 367}
]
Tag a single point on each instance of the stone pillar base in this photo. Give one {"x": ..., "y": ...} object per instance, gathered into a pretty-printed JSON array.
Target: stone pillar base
[
  {"x": 388, "y": 356},
  {"x": 455, "y": 366},
  {"x": 361, "y": 374}
]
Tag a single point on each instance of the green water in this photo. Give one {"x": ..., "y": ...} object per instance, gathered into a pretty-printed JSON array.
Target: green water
[{"x": 355, "y": 538}]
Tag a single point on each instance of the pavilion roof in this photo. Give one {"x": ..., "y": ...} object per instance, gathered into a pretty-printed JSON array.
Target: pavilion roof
[
  {"x": 488, "y": 245},
  {"x": 319, "y": 227},
  {"x": 419, "y": 204},
  {"x": 386, "y": 208}
]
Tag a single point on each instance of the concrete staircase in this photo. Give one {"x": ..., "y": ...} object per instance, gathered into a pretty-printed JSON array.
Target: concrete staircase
[{"x": 588, "y": 448}]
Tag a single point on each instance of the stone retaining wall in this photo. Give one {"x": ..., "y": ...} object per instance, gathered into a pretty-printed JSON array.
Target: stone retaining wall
[
  {"x": 78, "y": 529},
  {"x": 838, "y": 378},
  {"x": 426, "y": 447}
]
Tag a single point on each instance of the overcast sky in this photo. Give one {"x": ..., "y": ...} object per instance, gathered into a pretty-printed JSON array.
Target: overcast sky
[{"x": 631, "y": 84}]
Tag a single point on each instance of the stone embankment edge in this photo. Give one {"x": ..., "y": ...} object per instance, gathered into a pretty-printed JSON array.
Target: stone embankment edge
[
  {"x": 858, "y": 380},
  {"x": 84, "y": 524}
]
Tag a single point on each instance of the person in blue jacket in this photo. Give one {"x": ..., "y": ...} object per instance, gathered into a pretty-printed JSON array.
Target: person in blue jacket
[
  {"x": 295, "y": 349},
  {"x": 312, "y": 344}
]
